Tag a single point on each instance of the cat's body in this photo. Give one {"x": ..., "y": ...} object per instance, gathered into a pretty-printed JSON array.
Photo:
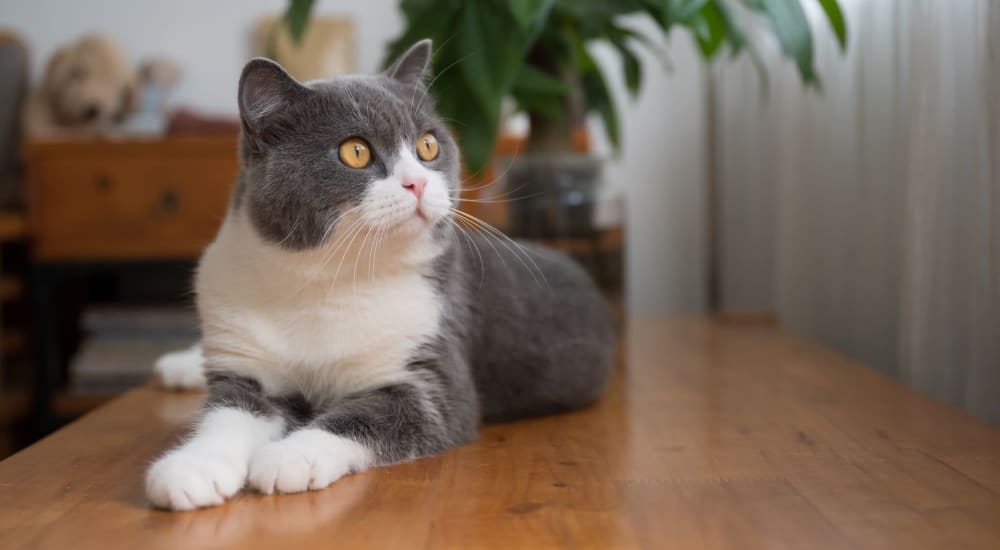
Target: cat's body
[{"x": 347, "y": 321}]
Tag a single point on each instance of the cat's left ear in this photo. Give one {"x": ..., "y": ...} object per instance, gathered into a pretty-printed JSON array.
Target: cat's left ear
[{"x": 411, "y": 67}]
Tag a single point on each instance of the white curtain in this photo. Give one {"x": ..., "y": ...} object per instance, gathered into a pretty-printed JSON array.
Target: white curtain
[{"x": 867, "y": 216}]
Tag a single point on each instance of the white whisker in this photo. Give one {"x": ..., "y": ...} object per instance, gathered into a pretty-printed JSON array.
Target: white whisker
[
  {"x": 475, "y": 247},
  {"x": 357, "y": 259},
  {"x": 501, "y": 237},
  {"x": 354, "y": 235}
]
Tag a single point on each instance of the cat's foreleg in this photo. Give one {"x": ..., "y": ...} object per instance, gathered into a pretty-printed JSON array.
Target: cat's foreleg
[
  {"x": 212, "y": 464},
  {"x": 379, "y": 426},
  {"x": 182, "y": 370}
]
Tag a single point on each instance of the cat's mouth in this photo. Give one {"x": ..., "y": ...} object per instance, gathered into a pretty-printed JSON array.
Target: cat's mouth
[
  {"x": 414, "y": 222},
  {"x": 404, "y": 217}
]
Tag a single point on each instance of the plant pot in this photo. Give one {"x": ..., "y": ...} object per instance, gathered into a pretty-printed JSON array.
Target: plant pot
[{"x": 562, "y": 201}]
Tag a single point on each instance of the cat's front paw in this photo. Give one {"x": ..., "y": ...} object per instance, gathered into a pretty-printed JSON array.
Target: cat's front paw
[
  {"x": 186, "y": 479},
  {"x": 182, "y": 370},
  {"x": 306, "y": 460}
]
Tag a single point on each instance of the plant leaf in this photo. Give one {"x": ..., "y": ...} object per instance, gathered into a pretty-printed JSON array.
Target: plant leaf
[
  {"x": 631, "y": 67},
  {"x": 659, "y": 11},
  {"x": 709, "y": 27},
  {"x": 633, "y": 71},
  {"x": 734, "y": 28},
  {"x": 492, "y": 56},
  {"x": 531, "y": 79},
  {"x": 527, "y": 12},
  {"x": 549, "y": 105},
  {"x": 651, "y": 46},
  {"x": 478, "y": 135},
  {"x": 837, "y": 22},
  {"x": 475, "y": 130},
  {"x": 790, "y": 25},
  {"x": 598, "y": 97},
  {"x": 296, "y": 18},
  {"x": 423, "y": 20},
  {"x": 683, "y": 9},
  {"x": 602, "y": 10}
]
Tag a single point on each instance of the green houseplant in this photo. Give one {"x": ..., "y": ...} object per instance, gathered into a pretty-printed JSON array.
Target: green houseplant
[{"x": 535, "y": 52}]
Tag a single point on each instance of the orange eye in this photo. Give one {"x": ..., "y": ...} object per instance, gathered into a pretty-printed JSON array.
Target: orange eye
[
  {"x": 355, "y": 153},
  {"x": 427, "y": 147}
]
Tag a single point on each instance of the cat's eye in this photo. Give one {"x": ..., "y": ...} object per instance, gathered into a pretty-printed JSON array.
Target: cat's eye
[
  {"x": 427, "y": 147},
  {"x": 355, "y": 153}
]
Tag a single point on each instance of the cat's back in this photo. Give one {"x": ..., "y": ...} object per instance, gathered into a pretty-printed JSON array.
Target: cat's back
[{"x": 544, "y": 338}]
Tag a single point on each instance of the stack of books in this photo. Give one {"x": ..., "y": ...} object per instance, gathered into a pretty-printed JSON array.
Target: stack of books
[{"x": 122, "y": 344}]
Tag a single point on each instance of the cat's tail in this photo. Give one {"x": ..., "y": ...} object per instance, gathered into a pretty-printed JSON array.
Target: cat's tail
[{"x": 182, "y": 370}]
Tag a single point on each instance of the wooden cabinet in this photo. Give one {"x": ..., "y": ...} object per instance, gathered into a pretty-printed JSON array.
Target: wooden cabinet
[
  {"x": 95, "y": 206},
  {"x": 128, "y": 200}
]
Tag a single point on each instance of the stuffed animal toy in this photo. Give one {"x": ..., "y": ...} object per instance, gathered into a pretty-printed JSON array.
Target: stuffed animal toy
[{"x": 90, "y": 89}]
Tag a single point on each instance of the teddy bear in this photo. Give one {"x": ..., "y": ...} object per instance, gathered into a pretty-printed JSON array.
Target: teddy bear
[{"x": 89, "y": 89}]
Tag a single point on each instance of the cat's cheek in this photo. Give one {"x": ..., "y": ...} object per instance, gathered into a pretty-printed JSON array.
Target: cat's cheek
[
  {"x": 306, "y": 460},
  {"x": 436, "y": 203}
]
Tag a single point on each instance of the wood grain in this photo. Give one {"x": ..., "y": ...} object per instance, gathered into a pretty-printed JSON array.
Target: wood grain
[
  {"x": 712, "y": 435},
  {"x": 128, "y": 200}
]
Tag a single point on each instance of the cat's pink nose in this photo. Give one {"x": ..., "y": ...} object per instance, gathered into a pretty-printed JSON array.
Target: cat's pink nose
[{"x": 416, "y": 185}]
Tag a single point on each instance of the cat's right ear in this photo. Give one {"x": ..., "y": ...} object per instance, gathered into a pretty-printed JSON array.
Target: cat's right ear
[{"x": 266, "y": 89}]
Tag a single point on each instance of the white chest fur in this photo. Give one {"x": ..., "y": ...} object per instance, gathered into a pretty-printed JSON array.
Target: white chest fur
[{"x": 324, "y": 325}]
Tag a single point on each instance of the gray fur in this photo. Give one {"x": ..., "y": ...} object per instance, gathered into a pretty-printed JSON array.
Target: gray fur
[
  {"x": 513, "y": 342},
  {"x": 289, "y": 150}
]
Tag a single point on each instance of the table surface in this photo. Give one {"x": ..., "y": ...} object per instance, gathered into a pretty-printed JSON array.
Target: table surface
[{"x": 711, "y": 436}]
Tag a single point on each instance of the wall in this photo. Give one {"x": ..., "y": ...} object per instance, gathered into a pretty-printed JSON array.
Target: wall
[
  {"x": 210, "y": 38},
  {"x": 662, "y": 171},
  {"x": 661, "y": 168}
]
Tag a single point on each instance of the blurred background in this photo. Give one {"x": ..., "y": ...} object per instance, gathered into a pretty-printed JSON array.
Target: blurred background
[{"x": 830, "y": 166}]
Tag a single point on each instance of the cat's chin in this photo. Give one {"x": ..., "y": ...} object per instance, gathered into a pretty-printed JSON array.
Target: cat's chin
[{"x": 413, "y": 225}]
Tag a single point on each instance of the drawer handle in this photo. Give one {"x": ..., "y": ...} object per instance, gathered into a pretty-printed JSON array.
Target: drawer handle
[
  {"x": 103, "y": 183},
  {"x": 167, "y": 205}
]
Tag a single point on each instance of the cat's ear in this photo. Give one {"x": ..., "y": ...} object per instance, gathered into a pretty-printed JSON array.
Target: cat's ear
[
  {"x": 411, "y": 67},
  {"x": 265, "y": 90}
]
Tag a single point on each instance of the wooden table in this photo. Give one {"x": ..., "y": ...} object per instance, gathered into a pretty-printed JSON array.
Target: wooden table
[{"x": 712, "y": 435}]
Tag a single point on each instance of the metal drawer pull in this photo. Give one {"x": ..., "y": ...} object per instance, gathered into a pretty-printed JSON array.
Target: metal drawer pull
[
  {"x": 103, "y": 183},
  {"x": 168, "y": 204}
]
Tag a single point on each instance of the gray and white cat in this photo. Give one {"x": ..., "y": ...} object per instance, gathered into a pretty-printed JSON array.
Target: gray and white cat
[{"x": 348, "y": 321}]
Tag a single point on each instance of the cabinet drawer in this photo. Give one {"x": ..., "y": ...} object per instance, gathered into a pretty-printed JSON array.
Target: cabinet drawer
[{"x": 128, "y": 208}]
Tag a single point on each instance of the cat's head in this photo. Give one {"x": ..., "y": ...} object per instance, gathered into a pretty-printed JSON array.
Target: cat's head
[{"x": 338, "y": 153}]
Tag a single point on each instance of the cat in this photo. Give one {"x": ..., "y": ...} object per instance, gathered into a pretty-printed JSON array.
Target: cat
[{"x": 348, "y": 320}]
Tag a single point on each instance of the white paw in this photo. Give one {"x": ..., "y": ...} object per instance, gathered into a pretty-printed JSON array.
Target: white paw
[
  {"x": 185, "y": 480},
  {"x": 182, "y": 369},
  {"x": 306, "y": 460}
]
